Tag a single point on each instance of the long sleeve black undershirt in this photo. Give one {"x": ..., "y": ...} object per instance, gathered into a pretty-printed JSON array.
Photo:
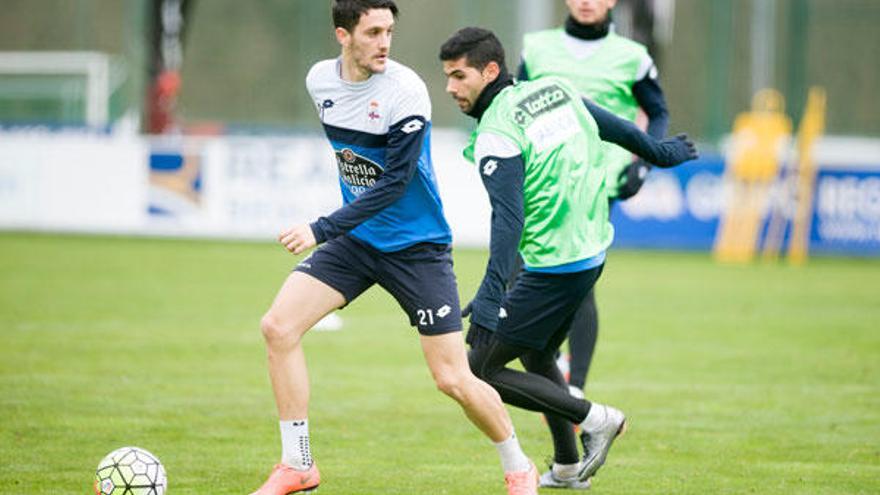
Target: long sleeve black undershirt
[
  {"x": 503, "y": 180},
  {"x": 402, "y": 159},
  {"x": 649, "y": 96},
  {"x": 626, "y": 135}
]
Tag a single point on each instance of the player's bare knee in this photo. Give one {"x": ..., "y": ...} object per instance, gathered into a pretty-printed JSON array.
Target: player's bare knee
[
  {"x": 276, "y": 333},
  {"x": 452, "y": 384}
]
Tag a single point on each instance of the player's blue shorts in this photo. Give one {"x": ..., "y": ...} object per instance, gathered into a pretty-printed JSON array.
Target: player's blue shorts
[
  {"x": 419, "y": 277},
  {"x": 537, "y": 311}
]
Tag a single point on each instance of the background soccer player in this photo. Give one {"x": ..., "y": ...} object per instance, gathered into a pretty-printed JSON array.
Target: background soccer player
[
  {"x": 537, "y": 149},
  {"x": 391, "y": 231},
  {"x": 618, "y": 74}
]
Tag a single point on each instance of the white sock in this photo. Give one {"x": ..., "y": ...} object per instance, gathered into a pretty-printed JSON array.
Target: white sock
[
  {"x": 565, "y": 471},
  {"x": 512, "y": 456},
  {"x": 295, "y": 448},
  {"x": 595, "y": 418}
]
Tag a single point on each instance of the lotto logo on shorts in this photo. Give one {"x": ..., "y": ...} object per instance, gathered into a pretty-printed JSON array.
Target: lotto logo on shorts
[
  {"x": 444, "y": 311},
  {"x": 306, "y": 263}
]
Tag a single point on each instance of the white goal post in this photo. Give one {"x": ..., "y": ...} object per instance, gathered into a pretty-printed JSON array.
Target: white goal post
[{"x": 94, "y": 66}]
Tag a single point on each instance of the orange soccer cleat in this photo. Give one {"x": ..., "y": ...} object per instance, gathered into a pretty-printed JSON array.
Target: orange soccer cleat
[
  {"x": 286, "y": 480},
  {"x": 522, "y": 482}
]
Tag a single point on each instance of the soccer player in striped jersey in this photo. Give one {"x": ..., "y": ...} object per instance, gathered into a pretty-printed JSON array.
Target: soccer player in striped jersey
[
  {"x": 537, "y": 147},
  {"x": 391, "y": 231}
]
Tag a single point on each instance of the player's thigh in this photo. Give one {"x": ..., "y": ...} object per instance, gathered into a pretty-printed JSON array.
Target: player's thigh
[
  {"x": 446, "y": 356},
  {"x": 326, "y": 280},
  {"x": 342, "y": 264},
  {"x": 489, "y": 355},
  {"x": 422, "y": 281},
  {"x": 301, "y": 302},
  {"x": 539, "y": 308}
]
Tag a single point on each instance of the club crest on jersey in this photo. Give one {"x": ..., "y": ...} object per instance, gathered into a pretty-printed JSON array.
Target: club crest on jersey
[
  {"x": 348, "y": 156},
  {"x": 357, "y": 172},
  {"x": 374, "y": 111}
]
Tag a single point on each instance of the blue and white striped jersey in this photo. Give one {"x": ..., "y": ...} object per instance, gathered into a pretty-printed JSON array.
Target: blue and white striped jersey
[{"x": 380, "y": 131}]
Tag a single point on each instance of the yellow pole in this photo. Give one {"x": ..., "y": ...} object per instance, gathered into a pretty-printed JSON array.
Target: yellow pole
[{"x": 811, "y": 128}]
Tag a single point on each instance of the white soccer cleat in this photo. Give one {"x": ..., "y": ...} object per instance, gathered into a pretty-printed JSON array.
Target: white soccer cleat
[
  {"x": 597, "y": 440},
  {"x": 549, "y": 480}
]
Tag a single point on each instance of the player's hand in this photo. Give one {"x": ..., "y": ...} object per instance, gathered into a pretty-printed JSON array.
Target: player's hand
[
  {"x": 298, "y": 239},
  {"x": 478, "y": 336},
  {"x": 676, "y": 150},
  {"x": 631, "y": 179}
]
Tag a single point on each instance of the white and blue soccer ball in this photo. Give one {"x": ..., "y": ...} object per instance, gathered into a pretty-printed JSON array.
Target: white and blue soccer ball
[{"x": 130, "y": 471}]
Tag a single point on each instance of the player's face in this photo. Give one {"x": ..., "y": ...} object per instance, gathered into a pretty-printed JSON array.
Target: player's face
[
  {"x": 590, "y": 11},
  {"x": 465, "y": 83},
  {"x": 369, "y": 42}
]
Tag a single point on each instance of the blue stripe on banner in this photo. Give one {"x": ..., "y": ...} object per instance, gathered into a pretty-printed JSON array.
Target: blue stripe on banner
[{"x": 166, "y": 161}]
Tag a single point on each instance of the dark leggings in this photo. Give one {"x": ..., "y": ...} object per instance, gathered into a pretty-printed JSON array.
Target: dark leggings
[
  {"x": 582, "y": 337},
  {"x": 541, "y": 388}
]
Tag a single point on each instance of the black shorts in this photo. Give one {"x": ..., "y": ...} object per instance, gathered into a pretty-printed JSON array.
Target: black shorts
[
  {"x": 419, "y": 277},
  {"x": 538, "y": 309}
]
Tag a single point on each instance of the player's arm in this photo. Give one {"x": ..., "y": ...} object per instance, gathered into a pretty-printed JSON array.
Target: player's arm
[
  {"x": 502, "y": 171},
  {"x": 663, "y": 153},
  {"x": 649, "y": 96},
  {"x": 404, "y": 148}
]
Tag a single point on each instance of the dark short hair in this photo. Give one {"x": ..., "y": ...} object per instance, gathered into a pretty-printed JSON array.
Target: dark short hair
[
  {"x": 480, "y": 46},
  {"x": 347, "y": 13}
]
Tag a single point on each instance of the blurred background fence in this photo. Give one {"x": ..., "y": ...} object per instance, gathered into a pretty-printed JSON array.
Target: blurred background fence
[{"x": 244, "y": 62}]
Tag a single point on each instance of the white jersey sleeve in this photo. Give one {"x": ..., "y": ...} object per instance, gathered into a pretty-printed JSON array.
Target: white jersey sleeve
[
  {"x": 412, "y": 98},
  {"x": 494, "y": 145},
  {"x": 646, "y": 68}
]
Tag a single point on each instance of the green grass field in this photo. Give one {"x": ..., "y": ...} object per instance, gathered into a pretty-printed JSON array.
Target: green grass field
[{"x": 755, "y": 379}]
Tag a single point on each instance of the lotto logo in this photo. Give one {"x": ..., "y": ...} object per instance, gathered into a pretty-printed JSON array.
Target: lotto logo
[
  {"x": 490, "y": 167},
  {"x": 412, "y": 126},
  {"x": 444, "y": 311},
  {"x": 502, "y": 313}
]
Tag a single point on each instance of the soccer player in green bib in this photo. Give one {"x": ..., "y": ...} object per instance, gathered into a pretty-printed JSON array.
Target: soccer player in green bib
[
  {"x": 538, "y": 150},
  {"x": 618, "y": 74}
]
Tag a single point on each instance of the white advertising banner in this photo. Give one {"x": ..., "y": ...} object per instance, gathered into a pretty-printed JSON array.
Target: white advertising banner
[
  {"x": 72, "y": 182},
  {"x": 254, "y": 187}
]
